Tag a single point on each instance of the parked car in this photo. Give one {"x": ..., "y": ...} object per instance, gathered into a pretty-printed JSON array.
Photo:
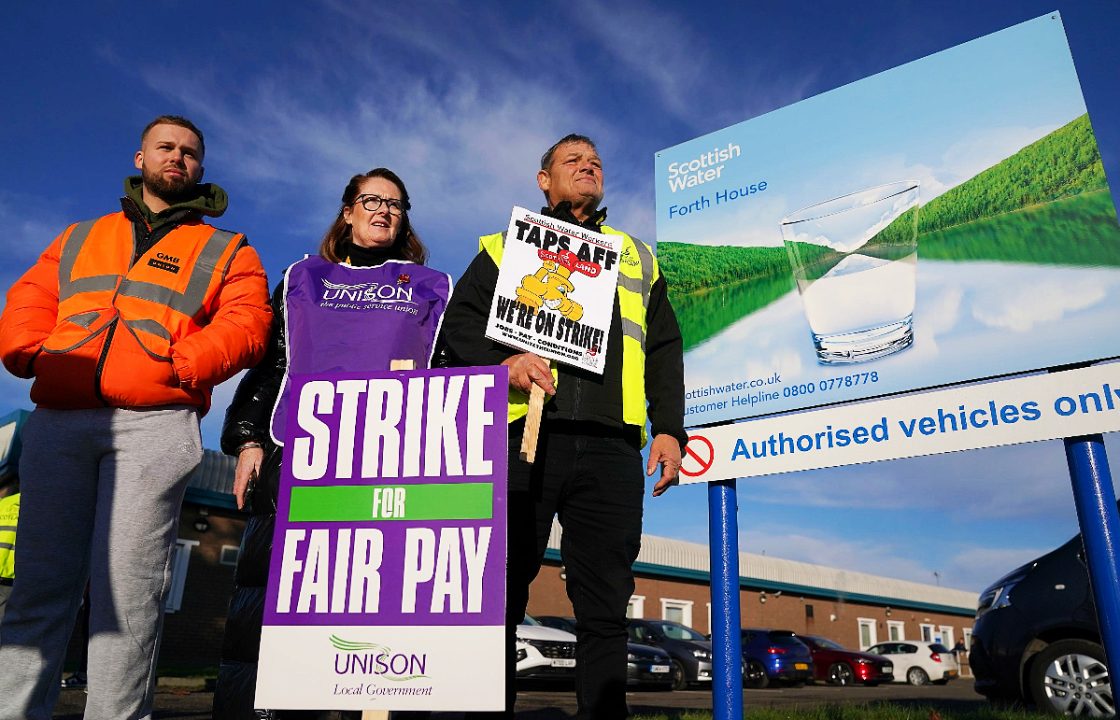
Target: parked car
[
  {"x": 1036, "y": 638},
  {"x": 774, "y": 655},
  {"x": 691, "y": 653},
  {"x": 645, "y": 665},
  {"x": 919, "y": 662},
  {"x": 836, "y": 665},
  {"x": 544, "y": 652}
]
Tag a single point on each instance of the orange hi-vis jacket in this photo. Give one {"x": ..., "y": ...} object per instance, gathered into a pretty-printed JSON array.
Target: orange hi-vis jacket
[{"x": 96, "y": 330}]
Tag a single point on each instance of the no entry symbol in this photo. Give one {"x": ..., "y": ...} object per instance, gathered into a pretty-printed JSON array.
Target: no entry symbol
[{"x": 699, "y": 455}]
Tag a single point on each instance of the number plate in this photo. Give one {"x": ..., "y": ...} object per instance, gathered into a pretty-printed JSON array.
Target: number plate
[
  {"x": 801, "y": 666},
  {"x": 659, "y": 668},
  {"x": 888, "y": 668},
  {"x": 564, "y": 662}
]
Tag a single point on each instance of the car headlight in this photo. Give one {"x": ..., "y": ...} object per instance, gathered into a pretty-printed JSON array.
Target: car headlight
[
  {"x": 702, "y": 654},
  {"x": 996, "y": 597},
  {"x": 521, "y": 654}
]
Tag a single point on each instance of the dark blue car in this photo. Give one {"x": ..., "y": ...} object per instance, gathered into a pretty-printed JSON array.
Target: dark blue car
[{"x": 774, "y": 656}]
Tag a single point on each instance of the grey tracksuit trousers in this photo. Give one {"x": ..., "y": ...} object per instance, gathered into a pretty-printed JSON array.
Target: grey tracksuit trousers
[{"x": 102, "y": 491}]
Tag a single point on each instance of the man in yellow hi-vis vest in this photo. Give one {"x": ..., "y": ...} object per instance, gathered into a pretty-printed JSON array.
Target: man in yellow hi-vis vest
[
  {"x": 588, "y": 468},
  {"x": 9, "y": 515}
]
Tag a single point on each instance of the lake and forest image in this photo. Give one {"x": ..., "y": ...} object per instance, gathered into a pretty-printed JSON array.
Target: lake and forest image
[{"x": 1046, "y": 206}]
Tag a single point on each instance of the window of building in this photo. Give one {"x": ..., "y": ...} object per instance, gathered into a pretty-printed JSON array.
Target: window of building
[
  {"x": 947, "y": 636},
  {"x": 637, "y": 607},
  {"x": 229, "y": 555},
  {"x": 677, "y": 611},
  {"x": 896, "y": 630},
  {"x": 180, "y": 561},
  {"x": 867, "y": 635},
  {"x": 967, "y": 638},
  {"x": 927, "y": 632}
]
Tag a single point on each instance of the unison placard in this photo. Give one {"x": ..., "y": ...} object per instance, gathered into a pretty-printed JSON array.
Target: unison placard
[{"x": 389, "y": 550}]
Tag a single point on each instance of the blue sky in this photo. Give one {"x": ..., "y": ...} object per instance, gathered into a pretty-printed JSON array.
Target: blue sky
[{"x": 461, "y": 99}]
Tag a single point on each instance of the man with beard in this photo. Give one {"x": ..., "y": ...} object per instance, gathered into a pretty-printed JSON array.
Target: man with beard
[{"x": 125, "y": 323}]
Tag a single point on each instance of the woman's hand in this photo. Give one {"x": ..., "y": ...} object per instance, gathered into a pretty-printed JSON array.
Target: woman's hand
[{"x": 248, "y": 467}]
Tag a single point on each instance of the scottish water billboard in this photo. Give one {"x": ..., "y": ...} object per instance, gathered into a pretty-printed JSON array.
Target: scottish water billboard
[{"x": 943, "y": 221}]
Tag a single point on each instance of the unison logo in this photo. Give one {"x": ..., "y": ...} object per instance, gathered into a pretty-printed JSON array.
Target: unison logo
[
  {"x": 363, "y": 658},
  {"x": 366, "y": 292}
]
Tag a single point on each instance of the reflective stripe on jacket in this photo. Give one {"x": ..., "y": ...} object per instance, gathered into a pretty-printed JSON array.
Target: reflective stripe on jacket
[
  {"x": 637, "y": 272},
  {"x": 9, "y": 514},
  {"x": 117, "y": 321}
]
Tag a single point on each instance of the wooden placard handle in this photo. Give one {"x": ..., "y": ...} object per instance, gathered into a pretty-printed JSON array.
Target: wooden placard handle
[
  {"x": 406, "y": 364},
  {"x": 532, "y": 425}
]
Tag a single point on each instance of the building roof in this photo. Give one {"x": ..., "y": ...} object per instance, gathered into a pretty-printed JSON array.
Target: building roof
[
  {"x": 685, "y": 560},
  {"x": 211, "y": 483}
]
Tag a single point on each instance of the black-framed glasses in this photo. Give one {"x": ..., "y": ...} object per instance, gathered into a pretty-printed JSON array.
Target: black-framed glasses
[{"x": 373, "y": 203}]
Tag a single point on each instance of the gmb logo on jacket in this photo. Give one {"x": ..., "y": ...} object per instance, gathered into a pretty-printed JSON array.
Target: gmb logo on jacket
[{"x": 163, "y": 261}]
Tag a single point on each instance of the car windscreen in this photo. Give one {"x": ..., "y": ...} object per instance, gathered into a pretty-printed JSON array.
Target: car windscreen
[
  {"x": 783, "y": 638},
  {"x": 938, "y": 648},
  {"x": 826, "y": 643},
  {"x": 679, "y": 632}
]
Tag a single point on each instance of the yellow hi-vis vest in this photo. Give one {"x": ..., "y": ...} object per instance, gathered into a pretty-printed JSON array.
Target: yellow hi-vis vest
[
  {"x": 637, "y": 271},
  {"x": 9, "y": 514}
]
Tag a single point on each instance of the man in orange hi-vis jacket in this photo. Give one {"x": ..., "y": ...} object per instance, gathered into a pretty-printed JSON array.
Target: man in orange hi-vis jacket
[{"x": 126, "y": 323}]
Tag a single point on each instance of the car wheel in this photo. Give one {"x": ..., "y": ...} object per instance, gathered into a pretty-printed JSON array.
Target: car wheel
[
  {"x": 917, "y": 676},
  {"x": 1070, "y": 677},
  {"x": 754, "y": 675},
  {"x": 680, "y": 678},
  {"x": 840, "y": 674}
]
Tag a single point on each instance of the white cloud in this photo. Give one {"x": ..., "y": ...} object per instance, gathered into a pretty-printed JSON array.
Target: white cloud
[
  {"x": 964, "y": 567},
  {"x": 875, "y": 556},
  {"x": 1045, "y": 301},
  {"x": 1017, "y": 481},
  {"x": 978, "y": 567}
]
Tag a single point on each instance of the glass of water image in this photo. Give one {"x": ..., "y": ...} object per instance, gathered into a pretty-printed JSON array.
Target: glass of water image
[{"x": 855, "y": 260}]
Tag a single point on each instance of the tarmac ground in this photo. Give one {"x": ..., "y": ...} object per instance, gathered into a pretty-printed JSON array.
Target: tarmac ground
[{"x": 189, "y": 701}]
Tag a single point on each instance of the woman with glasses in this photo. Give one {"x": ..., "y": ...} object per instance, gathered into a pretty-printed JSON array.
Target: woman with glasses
[{"x": 365, "y": 301}]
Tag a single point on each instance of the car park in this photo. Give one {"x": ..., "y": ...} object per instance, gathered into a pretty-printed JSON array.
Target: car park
[
  {"x": 1036, "y": 639},
  {"x": 544, "y": 653},
  {"x": 836, "y": 665},
  {"x": 646, "y": 666},
  {"x": 774, "y": 656},
  {"x": 918, "y": 662},
  {"x": 690, "y": 651}
]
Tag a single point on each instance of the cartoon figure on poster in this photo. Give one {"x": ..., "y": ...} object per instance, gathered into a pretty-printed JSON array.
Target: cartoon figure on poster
[{"x": 550, "y": 285}]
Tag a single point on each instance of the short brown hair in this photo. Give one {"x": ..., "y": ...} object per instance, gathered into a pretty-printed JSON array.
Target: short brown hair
[
  {"x": 175, "y": 120},
  {"x": 546, "y": 159},
  {"x": 406, "y": 245}
]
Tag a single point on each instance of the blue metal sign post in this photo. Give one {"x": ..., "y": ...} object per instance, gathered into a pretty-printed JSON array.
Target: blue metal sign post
[
  {"x": 1100, "y": 531},
  {"x": 727, "y": 652}
]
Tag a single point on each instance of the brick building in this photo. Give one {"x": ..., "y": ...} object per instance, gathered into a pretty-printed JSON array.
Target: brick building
[{"x": 855, "y": 609}]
